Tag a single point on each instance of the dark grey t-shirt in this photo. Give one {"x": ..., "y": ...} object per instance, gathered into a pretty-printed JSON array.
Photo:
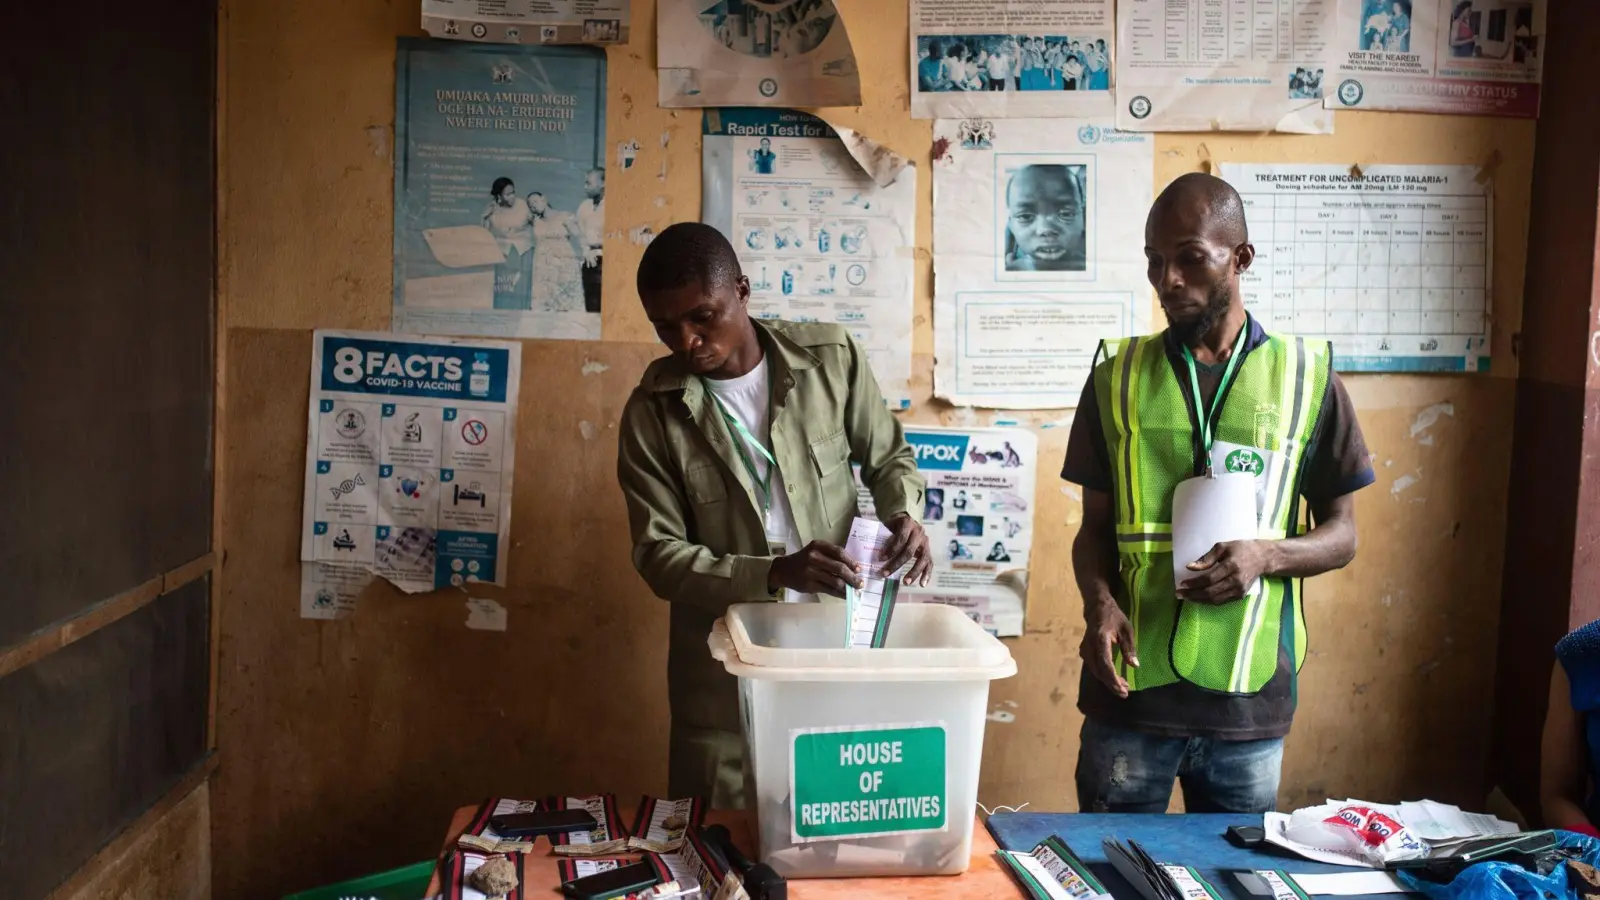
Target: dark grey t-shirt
[{"x": 1336, "y": 463}]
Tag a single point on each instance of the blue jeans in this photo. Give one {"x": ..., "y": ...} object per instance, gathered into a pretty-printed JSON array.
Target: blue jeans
[{"x": 1122, "y": 771}]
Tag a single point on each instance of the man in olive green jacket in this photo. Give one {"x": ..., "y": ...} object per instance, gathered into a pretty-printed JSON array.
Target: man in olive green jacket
[{"x": 734, "y": 458}]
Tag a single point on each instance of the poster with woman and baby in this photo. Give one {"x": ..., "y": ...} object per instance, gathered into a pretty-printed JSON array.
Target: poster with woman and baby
[
  {"x": 1465, "y": 57},
  {"x": 499, "y": 190}
]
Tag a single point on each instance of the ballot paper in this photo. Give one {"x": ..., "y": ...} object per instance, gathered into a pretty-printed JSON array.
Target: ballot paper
[
  {"x": 1208, "y": 511},
  {"x": 1281, "y": 885},
  {"x": 1053, "y": 872},
  {"x": 1154, "y": 880},
  {"x": 870, "y": 607}
]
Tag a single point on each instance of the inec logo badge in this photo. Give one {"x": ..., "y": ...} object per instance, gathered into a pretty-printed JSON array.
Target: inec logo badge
[{"x": 1248, "y": 462}]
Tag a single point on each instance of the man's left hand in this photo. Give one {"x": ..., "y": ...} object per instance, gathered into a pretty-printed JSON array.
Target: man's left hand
[
  {"x": 1224, "y": 574},
  {"x": 909, "y": 543}
]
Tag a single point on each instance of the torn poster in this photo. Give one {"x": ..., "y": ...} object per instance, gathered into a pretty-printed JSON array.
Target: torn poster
[
  {"x": 818, "y": 237},
  {"x": 754, "y": 53},
  {"x": 979, "y": 520},
  {"x": 999, "y": 58},
  {"x": 1471, "y": 57},
  {"x": 1391, "y": 264},
  {"x": 529, "y": 21},
  {"x": 499, "y": 193},
  {"x": 1225, "y": 65},
  {"x": 328, "y": 590},
  {"x": 1038, "y": 237},
  {"x": 410, "y": 452}
]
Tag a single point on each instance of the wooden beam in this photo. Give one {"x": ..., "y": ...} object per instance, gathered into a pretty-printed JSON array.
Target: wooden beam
[
  {"x": 100, "y": 615},
  {"x": 118, "y": 845}
]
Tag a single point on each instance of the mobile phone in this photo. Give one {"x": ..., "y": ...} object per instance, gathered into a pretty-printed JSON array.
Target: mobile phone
[
  {"x": 543, "y": 822},
  {"x": 615, "y": 883}
]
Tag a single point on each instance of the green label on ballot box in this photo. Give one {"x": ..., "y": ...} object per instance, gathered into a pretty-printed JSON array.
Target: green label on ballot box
[{"x": 864, "y": 782}]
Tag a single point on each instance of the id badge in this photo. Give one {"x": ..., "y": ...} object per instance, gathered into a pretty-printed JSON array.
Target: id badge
[{"x": 1252, "y": 461}]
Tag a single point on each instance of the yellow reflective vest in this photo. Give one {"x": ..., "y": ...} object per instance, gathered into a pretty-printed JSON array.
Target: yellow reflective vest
[{"x": 1264, "y": 428}]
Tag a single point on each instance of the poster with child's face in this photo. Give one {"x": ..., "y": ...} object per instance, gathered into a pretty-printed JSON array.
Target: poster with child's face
[{"x": 1042, "y": 217}]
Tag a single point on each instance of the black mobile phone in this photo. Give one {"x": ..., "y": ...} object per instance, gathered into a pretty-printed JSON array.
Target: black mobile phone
[
  {"x": 615, "y": 883},
  {"x": 543, "y": 822}
]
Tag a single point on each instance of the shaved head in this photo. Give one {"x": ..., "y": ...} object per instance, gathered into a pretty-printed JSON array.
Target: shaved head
[
  {"x": 1196, "y": 243},
  {"x": 1213, "y": 199}
]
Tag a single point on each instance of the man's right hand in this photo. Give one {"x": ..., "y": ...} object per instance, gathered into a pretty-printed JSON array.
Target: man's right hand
[
  {"x": 818, "y": 568},
  {"x": 1107, "y": 626}
]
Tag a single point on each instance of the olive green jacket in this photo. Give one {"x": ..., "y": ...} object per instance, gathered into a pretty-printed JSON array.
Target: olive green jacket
[{"x": 698, "y": 536}]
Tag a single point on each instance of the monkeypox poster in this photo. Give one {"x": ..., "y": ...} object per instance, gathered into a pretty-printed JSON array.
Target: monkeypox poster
[
  {"x": 410, "y": 451},
  {"x": 979, "y": 519}
]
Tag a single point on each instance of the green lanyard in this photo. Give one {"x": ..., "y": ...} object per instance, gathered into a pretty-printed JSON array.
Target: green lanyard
[
  {"x": 1207, "y": 417},
  {"x": 763, "y": 485}
]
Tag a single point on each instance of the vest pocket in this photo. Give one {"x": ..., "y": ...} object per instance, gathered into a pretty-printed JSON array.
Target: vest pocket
[
  {"x": 1231, "y": 648},
  {"x": 705, "y": 485},
  {"x": 831, "y": 458}
]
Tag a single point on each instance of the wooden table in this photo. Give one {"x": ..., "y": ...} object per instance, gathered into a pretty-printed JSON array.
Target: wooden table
[{"x": 983, "y": 878}]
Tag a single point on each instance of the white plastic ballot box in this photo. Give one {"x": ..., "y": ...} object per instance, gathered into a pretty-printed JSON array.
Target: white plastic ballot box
[{"x": 862, "y": 763}]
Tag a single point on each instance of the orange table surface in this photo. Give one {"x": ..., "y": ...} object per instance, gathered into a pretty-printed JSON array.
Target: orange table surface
[{"x": 984, "y": 877}]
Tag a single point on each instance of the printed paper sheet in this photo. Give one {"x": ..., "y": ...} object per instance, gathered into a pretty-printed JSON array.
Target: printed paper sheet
[
  {"x": 1000, "y": 58},
  {"x": 818, "y": 238},
  {"x": 529, "y": 21},
  {"x": 1037, "y": 254},
  {"x": 1393, "y": 267},
  {"x": 979, "y": 520},
  {"x": 1225, "y": 65},
  {"x": 410, "y": 453},
  {"x": 754, "y": 53},
  {"x": 1471, "y": 57},
  {"x": 499, "y": 198}
]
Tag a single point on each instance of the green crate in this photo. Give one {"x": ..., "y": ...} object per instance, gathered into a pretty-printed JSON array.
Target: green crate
[{"x": 406, "y": 883}]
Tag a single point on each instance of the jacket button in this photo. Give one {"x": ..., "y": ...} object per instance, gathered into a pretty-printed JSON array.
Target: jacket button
[{"x": 790, "y": 488}]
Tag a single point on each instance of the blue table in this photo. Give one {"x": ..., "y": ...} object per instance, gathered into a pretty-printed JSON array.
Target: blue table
[{"x": 1188, "y": 840}]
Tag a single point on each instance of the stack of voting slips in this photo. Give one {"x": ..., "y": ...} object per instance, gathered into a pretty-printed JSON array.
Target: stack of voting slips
[
  {"x": 1053, "y": 872},
  {"x": 1153, "y": 880},
  {"x": 869, "y": 609}
]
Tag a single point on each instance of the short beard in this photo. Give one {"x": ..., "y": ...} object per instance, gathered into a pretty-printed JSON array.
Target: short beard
[{"x": 1217, "y": 303}]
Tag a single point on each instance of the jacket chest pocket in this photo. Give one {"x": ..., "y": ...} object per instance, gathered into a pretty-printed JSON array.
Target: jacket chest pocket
[
  {"x": 708, "y": 501},
  {"x": 830, "y": 457}
]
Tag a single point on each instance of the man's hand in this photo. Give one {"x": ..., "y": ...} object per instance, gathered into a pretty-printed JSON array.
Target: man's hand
[
  {"x": 1107, "y": 627},
  {"x": 591, "y": 256},
  {"x": 909, "y": 543},
  {"x": 1226, "y": 572},
  {"x": 818, "y": 567}
]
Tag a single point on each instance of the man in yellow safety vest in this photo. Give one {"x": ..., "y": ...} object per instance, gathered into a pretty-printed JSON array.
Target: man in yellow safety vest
[{"x": 1193, "y": 678}]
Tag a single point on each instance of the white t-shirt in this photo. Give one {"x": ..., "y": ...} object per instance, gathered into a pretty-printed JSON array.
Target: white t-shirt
[
  {"x": 748, "y": 399},
  {"x": 999, "y": 66}
]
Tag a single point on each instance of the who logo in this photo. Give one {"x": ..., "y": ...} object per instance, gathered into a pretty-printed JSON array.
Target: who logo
[{"x": 1248, "y": 462}]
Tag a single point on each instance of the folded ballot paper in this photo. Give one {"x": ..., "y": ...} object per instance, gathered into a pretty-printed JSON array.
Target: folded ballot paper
[
  {"x": 1053, "y": 872},
  {"x": 869, "y": 609},
  {"x": 1375, "y": 835},
  {"x": 1154, "y": 880}
]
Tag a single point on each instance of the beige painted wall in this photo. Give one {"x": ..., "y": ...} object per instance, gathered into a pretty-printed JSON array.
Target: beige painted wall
[{"x": 1393, "y": 698}]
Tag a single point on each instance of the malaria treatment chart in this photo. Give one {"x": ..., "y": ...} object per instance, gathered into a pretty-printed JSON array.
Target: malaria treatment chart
[
  {"x": 409, "y": 458},
  {"x": 1389, "y": 263}
]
